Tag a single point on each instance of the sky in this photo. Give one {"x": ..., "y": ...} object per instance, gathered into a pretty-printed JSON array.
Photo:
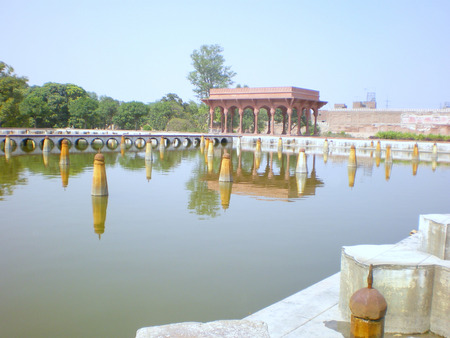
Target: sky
[{"x": 139, "y": 50}]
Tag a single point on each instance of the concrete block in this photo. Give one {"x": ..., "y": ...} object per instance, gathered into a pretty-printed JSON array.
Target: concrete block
[
  {"x": 219, "y": 328},
  {"x": 435, "y": 235},
  {"x": 414, "y": 283},
  {"x": 440, "y": 307}
]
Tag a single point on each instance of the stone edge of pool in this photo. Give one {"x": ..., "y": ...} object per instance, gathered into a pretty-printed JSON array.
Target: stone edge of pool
[{"x": 315, "y": 311}]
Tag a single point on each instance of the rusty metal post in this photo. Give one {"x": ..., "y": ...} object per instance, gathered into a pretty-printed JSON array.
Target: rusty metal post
[{"x": 368, "y": 308}]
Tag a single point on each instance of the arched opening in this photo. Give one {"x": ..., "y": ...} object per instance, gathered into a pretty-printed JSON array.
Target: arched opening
[
  {"x": 139, "y": 143},
  {"x": 112, "y": 144},
  {"x": 69, "y": 143},
  {"x": 51, "y": 144},
  {"x": 187, "y": 142},
  {"x": 27, "y": 145},
  {"x": 81, "y": 144},
  {"x": 12, "y": 144},
  {"x": 97, "y": 143}
]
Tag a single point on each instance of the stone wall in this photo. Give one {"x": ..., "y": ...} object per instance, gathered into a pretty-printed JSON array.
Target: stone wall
[{"x": 367, "y": 122}]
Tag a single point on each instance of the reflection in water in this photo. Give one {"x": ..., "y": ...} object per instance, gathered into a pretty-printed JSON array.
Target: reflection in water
[
  {"x": 415, "y": 166},
  {"x": 99, "y": 206},
  {"x": 148, "y": 170},
  {"x": 387, "y": 169},
  {"x": 187, "y": 233},
  {"x": 225, "y": 194},
  {"x": 301, "y": 183},
  {"x": 351, "y": 175},
  {"x": 45, "y": 158},
  {"x": 64, "y": 170}
]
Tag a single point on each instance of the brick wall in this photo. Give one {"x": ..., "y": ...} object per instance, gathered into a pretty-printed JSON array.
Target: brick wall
[{"x": 367, "y": 122}]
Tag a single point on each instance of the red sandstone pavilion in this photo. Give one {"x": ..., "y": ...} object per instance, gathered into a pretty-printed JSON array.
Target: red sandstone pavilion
[{"x": 288, "y": 99}]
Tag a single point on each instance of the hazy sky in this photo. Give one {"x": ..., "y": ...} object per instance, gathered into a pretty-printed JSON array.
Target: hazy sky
[{"x": 140, "y": 50}]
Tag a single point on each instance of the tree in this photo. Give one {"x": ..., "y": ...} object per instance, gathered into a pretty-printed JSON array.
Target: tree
[
  {"x": 83, "y": 113},
  {"x": 130, "y": 115},
  {"x": 210, "y": 71},
  {"x": 35, "y": 110},
  {"x": 107, "y": 109},
  {"x": 12, "y": 91}
]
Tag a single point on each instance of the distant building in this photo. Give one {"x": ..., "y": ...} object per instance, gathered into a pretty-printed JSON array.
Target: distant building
[
  {"x": 370, "y": 102},
  {"x": 365, "y": 104},
  {"x": 340, "y": 106}
]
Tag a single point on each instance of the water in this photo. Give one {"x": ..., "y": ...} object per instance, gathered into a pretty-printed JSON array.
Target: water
[{"x": 174, "y": 249}]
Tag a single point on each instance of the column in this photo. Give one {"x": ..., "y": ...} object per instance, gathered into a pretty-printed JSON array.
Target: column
[
  {"x": 308, "y": 116},
  {"x": 289, "y": 114},
  {"x": 225, "y": 116},
  {"x": 283, "y": 131},
  {"x": 299, "y": 120},
  {"x": 316, "y": 114},
  {"x": 241, "y": 116},
  {"x": 256, "y": 112},
  {"x": 231, "y": 119},
  {"x": 272, "y": 121},
  {"x": 211, "y": 118}
]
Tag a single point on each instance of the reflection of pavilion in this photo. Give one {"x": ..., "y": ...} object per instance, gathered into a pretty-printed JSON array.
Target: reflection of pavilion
[{"x": 267, "y": 184}]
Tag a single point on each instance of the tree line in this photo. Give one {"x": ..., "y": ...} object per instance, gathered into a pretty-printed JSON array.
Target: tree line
[{"x": 56, "y": 105}]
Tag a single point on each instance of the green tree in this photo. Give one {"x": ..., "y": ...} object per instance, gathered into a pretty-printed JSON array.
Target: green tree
[
  {"x": 209, "y": 70},
  {"x": 161, "y": 112},
  {"x": 12, "y": 91},
  {"x": 35, "y": 110},
  {"x": 130, "y": 115},
  {"x": 83, "y": 112},
  {"x": 107, "y": 109}
]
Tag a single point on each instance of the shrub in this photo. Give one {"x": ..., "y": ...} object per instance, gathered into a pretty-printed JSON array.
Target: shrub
[{"x": 177, "y": 124}]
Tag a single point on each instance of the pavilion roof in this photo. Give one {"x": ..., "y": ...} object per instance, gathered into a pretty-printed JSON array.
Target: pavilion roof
[{"x": 263, "y": 93}]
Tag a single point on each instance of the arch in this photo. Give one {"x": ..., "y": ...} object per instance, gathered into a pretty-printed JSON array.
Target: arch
[
  {"x": 176, "y": 142},
  {"x": 12, "y": 144},
  {"x": 187, "y": 142},
  {"x": 112, "y": 143},
  {"x": 41, "y": 143},
  {"x": 97, "y": 143},
  {"x": 27, "y": 145},
  {"x": 196, "y": 142},
  {"x": 58, "y": 143},
  {"x": 154, "y": 142},
  {"x": 139, "y": 143},
  {"x": 81, "y": 144},
  {"x": 128, "y": 142}
]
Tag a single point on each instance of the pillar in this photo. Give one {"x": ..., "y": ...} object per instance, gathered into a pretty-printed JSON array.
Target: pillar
[
  {"x": 289, "y": 123},
  {"x": 415, "y": 155},
  {"x": 352, "y": 157},
  {"x": 211, "y": 118},
  {"x": 368, "y": 308},
  {"x": 99, "y": 182},
  {"x": 7, "y": 144},
  {"x": 64, "y": 155},
  {"x": 211, "y": 148},
  {"x": 316, "y": 113},
  {"x": 225, "y": 169},
  {"x": 148, "y": 151},
  {"x": 272, "y": 120},
  {"x": 283, "y": 131},
  {"x": 280, "y": 144},
  {"x": 225, "y": 117},
  {"x": 256, "y": 113},
  {"x": 46, "y": 145},
  {"x": 241, "y": 117}
]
